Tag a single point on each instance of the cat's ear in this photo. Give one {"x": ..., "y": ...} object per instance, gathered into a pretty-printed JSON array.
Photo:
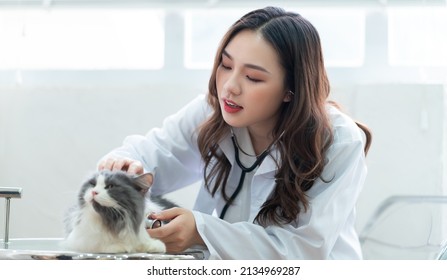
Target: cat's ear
[{"x": 144, "y": 181}]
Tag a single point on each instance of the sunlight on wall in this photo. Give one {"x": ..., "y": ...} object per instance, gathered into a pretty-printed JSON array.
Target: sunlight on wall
[
  {"x": 417, "y": 36},
  {"x": 103, "y": 39}
]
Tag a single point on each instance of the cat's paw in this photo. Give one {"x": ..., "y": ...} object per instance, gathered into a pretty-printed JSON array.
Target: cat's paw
[{"x": 154, "y": 246}]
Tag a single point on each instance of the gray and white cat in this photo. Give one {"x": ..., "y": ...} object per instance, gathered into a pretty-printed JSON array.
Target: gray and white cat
[{"x": 111, "y": 215}]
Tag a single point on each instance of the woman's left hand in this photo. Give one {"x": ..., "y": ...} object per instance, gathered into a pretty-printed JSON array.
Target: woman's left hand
[{"x": 180, "y": 233}]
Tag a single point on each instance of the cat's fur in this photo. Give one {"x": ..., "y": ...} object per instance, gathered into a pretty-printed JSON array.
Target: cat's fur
[{"x": 110, "y": 216}]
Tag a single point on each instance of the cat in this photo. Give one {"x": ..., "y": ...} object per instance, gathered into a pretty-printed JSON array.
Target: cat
[{"x": 111, "y": 215}]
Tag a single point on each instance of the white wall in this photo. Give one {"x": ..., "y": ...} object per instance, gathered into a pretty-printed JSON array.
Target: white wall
[
  {"x": 51, "y": 140},
  {"x": 407, "y": 156},
  {"x": 56, "y": 125}
]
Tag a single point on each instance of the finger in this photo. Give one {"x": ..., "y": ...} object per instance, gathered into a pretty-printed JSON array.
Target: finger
[
  {"x": 172, "y": 237},
  {"x": 170, "y": 230},
  {"x": 120, "y": 164},
  {"x": 164, "y": 233},
  {"x": 135, "y": 167},
  {"x": 180, "y": 233},
  {"x": 168, "y": 214},
  {"x": 108, "y": 164},
  {"x": 101, "y": 165}
]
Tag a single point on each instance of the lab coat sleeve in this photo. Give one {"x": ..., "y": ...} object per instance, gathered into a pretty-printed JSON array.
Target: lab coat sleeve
[
  {"x": 316, "y": 232},
  {"x": 170, "y": 152}
]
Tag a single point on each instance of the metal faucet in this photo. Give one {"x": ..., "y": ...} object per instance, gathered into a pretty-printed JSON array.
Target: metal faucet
[{"x": 9, "y": 193}]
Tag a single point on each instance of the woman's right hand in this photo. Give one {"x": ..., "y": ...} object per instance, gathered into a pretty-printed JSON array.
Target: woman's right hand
[{"x": 128, "y": 165}]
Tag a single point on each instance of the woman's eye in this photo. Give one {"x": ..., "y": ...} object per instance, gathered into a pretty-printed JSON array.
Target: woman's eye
[
  {"x": 253, "y": 79},
  {"x": 226, "y": 67}
]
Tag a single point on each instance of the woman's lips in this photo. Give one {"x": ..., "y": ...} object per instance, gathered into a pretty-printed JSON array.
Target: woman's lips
[{"x": 231, "y": 107}]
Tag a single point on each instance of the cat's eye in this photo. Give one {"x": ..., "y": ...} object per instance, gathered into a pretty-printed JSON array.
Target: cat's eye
[{"x": 109, "y": 186}]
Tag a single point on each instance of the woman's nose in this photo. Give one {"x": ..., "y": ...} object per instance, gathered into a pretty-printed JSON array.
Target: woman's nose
[{"x": 232, "y": 85}]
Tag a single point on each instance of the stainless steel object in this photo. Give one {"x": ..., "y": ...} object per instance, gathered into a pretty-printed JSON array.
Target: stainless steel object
[
  {"x": 9, "y": 193},
  {"x": 51, "y": 249},
  {"x": 153, "y": 223},
  {"x": 417, "y": 223}
]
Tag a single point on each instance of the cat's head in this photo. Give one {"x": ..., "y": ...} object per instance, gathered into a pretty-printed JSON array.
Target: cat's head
[{"x": 114, "y": 189}]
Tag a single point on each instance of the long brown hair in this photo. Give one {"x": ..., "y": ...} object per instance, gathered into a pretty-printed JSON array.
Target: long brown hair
[{"x": 304, "y": 122}]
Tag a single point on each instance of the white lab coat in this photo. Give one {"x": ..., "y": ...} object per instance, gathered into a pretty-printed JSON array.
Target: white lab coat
[{"x": 325, "y": 231}]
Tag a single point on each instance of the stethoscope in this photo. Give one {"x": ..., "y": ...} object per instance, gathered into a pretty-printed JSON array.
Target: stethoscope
[{"x": 244, "y": 169}]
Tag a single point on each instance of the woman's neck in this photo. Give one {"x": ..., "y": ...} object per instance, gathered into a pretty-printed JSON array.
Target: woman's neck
[{"x": 260, "y": 141}]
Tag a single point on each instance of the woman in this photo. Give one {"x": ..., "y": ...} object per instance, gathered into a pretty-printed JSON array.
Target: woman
[{"x": 282, "y": 168}]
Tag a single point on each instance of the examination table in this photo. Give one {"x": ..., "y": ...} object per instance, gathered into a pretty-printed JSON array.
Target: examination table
[{"x": 49, "y": 248}]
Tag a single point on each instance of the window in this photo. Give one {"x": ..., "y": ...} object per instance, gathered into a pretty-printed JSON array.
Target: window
[
  {"x": 342, "y": 32},
  {"x": 417, "y": 36},
  {"x": 86, "y": 39},
  {"x": 203, "y": 31}
]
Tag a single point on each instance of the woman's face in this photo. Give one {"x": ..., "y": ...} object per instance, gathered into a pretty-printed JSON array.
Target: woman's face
[{"x": 250, "y": 83}]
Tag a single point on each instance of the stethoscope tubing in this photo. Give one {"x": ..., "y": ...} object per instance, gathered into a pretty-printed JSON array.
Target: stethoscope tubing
[{"x": 245, "y": 170}]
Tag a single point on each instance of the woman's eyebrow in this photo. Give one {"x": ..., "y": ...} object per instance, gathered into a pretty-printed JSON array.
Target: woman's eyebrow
[{"x": 248, "y": 65}]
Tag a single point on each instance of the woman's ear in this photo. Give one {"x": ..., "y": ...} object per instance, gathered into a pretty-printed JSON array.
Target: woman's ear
[{"x": 288, "y": 96}]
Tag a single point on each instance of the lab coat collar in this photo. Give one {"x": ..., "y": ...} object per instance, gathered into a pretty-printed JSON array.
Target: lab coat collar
[
  {"x": 227, "y": 148},
  {"x": 269, "y": 164}
]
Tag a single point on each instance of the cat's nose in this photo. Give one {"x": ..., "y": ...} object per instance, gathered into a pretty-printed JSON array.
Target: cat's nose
[{"x": 94, "y": 193}]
